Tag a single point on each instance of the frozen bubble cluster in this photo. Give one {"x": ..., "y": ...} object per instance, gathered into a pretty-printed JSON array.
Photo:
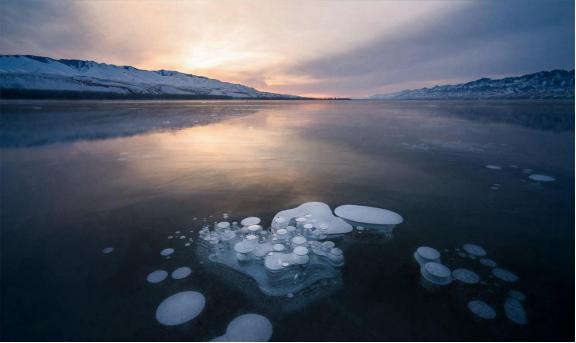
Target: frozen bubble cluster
[
  {"x": 107, "y": 250},
  {"x": 157, "y": 276},
  {"x": 487, "y": 282},
  {"x": 482, "y": 309},
  {"x": 288, "y": 257},
  {"x": 180, "y": 308}
]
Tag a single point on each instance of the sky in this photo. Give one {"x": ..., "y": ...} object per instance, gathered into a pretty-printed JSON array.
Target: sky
[{"x": 303, "y": 47}]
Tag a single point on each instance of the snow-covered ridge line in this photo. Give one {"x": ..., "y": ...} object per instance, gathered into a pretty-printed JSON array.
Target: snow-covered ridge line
[
  {"x": 28, "y": 75},
  {"x": 554, "y": 84}
]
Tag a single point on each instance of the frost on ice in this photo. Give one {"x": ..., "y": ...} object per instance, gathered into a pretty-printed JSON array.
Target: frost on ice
[{"x": 180, "y": 308}]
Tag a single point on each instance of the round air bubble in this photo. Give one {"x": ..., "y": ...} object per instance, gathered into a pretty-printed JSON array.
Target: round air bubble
[
  {"x": 181, "y": 273},
  {"x": 474, "y": 250},
  {"x": 424, "y": 255},
  {"x": 541, "y": 178},
  {"x": 368, "y": 215},
  {"x": 515, "y": 311},
  {"x": 481, "y": 309},
  {"x": 517, "y": 295},
  {"x": 167, "y": 252},
  {"x": 157, "y": 276},
  {"x": 436, "y": 273},
  {"x": 488, "y": 262},
  {"x": 107, "y": 250},
  {"x": 250, "y": 221},
  {"x": 249, "y": 328},
  {"x": 505, "y": 275},
  {"x": 466, "y": 276},
  {"x": 180, "y": 308},
  {"x": 493, "y": 167}
]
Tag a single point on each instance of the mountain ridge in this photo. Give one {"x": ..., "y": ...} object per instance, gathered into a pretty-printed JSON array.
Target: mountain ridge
[
  {"x": 30, "y": 76},
  {"x": 553, "y": 84}
]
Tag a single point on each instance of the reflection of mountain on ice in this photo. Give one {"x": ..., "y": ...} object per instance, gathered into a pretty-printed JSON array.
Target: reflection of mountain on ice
[{"x": 35, "y": 76}]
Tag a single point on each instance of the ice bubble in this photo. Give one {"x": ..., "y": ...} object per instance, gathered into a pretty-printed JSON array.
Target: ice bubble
[
  {"x": 182, "y": 237},
  {"x": 186, "y": 244},
  {"x": 157, "y": 276},
  {"x": 249, "y": 328},
  {"x": 481, "y": 309},
  {"x": 320, "y": 212},
  {"x": 474, "y": 250},
  {"x": 107, "y": 250},
  {"x": 493, "y": 167},
  {"x": 167, "y": 252},
  {"x": 181, "y": 273},
  {"x": 517, "y": 295},
  {"x": 436, "y": 273},
  {"x": 515, "y": 311},
  {"x": 222, "y": 338},
  {"x": 278, "y": 247},
  {"x": 466, "y": 276},
  {"x": 505, "y": 275},
  {"x": 424, "y": 255},
  {"x": 170, "y": 237},
  {"x": 368, "y": 215},
  {"x": 541, "y": 178},
  {"x": 487, "y": 262},
  {"x": 223, "y": 225},
  {"x": 177, "y": 231},
  {"x": 250, "y": 221},
  {"x": 180, "y": 308}
]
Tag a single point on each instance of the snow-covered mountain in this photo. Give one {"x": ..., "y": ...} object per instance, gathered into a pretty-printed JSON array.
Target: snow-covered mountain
[
  {"x": 555, "y": 84},
  {"x": 35, "y": 76}
]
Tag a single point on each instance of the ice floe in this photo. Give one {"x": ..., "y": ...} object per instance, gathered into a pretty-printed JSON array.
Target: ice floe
[
  {"x": 181, "y": 273},
  {"x": 157, "y": 276},
  {"x": 180, "y": 308},
  {"x": 482, "y": 309}
]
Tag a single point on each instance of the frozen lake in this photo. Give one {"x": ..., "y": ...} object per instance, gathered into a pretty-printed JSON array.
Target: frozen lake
[{"x": 79, "y": 177}]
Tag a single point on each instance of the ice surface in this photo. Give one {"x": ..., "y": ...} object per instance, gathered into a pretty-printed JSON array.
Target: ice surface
[
  {"x": 320, "y": 212},
  {"x": 541, "y": 178},
  {"x": 481, "y": 309},
  {"x": 180, "y": 308},
  {"x": 505, "y": 275},
  {"x": 249, "y": 328},
  {"x": 167, "y": 252},
  {"x": 181, "y": 273},
  {"x": 474, "y": 250},
  {"x": 157, "y": 276},
  {"x": 466, "y": 276},
  {"x": 107, "y": 250},
  {"x": 515, "y": 311}
]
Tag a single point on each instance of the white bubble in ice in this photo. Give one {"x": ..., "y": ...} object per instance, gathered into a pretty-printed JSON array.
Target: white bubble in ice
[
  {"x": 182, "y": 237},
  {"x": 249, "y": 328},
  {"x": 541, "y": 178},
  {"x": 222, "y": 338},
  {"x": 487, "y": 262},
  {"x": 493, "y": 167},
  {"x": 321, "y": 212},
  {"x": 474, "y": 250},
  {"x": 250, "y": 221},
  {"x": 181, "y": 273},
  {"x": 107, "y": 250},
  {"x": 505, "y": 275},
  {"x": 515, "y": 311},
  {"x": 481, "y": 309},
  {"x": 167, "y": 252},
  {"x": 180, "y": 308},
  {"x": 157, "y": 276},
  {"x": 368, "y": 215},
  {"x": 466, "y": 276},
  {"x": 517, "y": 295},
  {"x": 170, "y": 237},
  {"x": 424, "y": 255},
  {"x": 436, "y": 273}
]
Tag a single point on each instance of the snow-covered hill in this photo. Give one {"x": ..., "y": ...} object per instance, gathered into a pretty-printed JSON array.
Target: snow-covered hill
[
  {"x": 555, "y": 84},
  {"x": 35, "y": 76}
]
